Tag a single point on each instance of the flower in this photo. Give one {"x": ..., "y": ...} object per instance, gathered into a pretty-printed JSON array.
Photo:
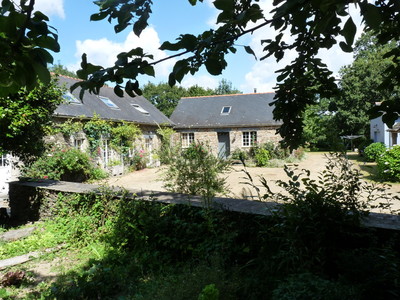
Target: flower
[{"x": 45, "y": 177}]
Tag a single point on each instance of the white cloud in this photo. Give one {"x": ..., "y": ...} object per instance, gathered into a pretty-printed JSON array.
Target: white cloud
[
  {"x": 51, "y": 7},
  {"x": 262, "y": 74},
  {"x": 205, "y": 81},
  {"x": 104, "y": 51}
]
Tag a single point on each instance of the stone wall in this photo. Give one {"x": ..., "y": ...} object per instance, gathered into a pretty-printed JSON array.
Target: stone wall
[
  {"x": 31, "y": 201},
  {"x": 210, "y": 136}
]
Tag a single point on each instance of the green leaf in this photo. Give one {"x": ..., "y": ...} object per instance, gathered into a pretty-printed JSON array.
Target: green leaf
[
  {"x": 224, "y": 4},
  {"x": 193, "y": 2},
  {"x": 149, "y": 70},
  {"x": 349, "y": 31},
  {"x": 48, "y": 43},
  {"x": 41, "y": 15},
  {"x": 99, "y": 16},
  {"x": 129, "y": 88},
  {"x": 118, "y": 91},
  {"x": 171, "y": 79},
  {"x": 42, "y": 72},
  {"x": 181, "y": 68},
  {"x": 345, "y": 47},
  {"x": 188, "y": 41},
  {"x": 139, "y": 26},
  {"x": 372, "y": 16},
  {"x": 250, "y": 51},
  {"x": 214, "y": 66},
  {"x": 169, "y": 46}
]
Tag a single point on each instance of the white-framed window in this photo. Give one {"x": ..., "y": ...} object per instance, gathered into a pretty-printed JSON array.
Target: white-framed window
[
  {"x": 187, "y": 138},
  {"x": 226, "y": 110},
  {"x": 78, "y": 144},
  {"x": 249, "y": 138},
  {"x": 108, "y": 102},
  {"x": 105, "y": 151},
  {"x": 3, "y": 160},
  {"x": 69, "y": 98},
  {"x": 140, "y": 109}
]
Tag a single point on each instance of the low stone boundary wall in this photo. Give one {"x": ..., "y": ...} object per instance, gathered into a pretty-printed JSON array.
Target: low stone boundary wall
[{"x": 26, "y": 201}]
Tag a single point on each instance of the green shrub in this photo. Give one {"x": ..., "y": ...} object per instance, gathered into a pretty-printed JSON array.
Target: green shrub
[
  {"x": 373, "y": 151},
  {"x": 239, "y": 154},
  {"x": 389, "y": 164},
  {"x": 139, "y": 160},
  {"x": 275, "y": 150},
  {"x": 261, "y": 157},
  {"x": 210, "y": 292},
  {"x": 196, "y": 171},
  {"x": 64, "y": 164},
  {"x": 309, "y": 286},
  {"x": 298, "y": 153}
]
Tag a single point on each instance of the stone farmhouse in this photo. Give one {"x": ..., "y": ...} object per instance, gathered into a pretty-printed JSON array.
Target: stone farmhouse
[
  {"x": 108, "y": 106},
  {"x": 226, "y": 122}
]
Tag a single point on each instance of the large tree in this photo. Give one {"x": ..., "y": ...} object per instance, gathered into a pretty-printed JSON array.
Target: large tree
[
  {"x": 59, "y": 69},
  {"x": 360, "y": 85},
  {"x": 349, "y": 112},
  {"x": 225, "y": 87},
  {"x": 313, "y": 25},
  {"x": 24, "y": 117}
]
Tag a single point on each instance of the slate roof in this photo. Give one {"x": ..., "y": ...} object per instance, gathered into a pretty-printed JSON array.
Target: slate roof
[
  {"x": 247, "y": 110},
  {"x": 126, "y": 112}
]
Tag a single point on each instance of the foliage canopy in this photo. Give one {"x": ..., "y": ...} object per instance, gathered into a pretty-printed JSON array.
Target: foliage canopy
[
  {"x": 313, "y": 25},
  {"x": 23, "y": 119}
]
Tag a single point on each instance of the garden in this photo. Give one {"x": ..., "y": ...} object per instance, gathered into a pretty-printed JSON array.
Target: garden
[{"x": 111, "y": 246}]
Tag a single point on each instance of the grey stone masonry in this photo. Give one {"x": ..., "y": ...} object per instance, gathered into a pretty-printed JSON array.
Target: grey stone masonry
[{"x": 24, "y": 204}]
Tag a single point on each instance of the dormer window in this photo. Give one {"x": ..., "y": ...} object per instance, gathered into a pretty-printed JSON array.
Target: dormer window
[
  {"x": 108, "y": 102},
  {"x": 226, "y": 110},
  {"x": 140, "y": 109},
  {"x": 69, "y": 98}
]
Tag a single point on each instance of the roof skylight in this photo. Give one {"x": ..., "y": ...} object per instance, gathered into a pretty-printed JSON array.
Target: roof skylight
[
  {"x": 71, "y": 98},
  {"x": 141, "y": 109},
  {"x": 108, "y": 102},
  {"x": 226, "y": 110}
]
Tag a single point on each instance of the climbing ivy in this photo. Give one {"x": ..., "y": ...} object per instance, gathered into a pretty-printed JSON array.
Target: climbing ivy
[
  {"x": 95, "y": 129},
  {"x": 69, "y": 127},
  {"x": 123, "y": 135}
]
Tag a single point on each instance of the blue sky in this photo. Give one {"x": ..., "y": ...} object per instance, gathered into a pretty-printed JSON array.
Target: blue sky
[{"x": 170, "y": 18}]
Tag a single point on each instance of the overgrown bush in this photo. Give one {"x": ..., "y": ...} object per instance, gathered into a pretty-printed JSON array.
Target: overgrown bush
[
  {"x": 273, "y": 155},
  {"x": 67, "y": 164},
  {"x": 311, "y": 247},
  {"x": 239, "y": 154},
  {"x": 389, "y": 164},
  {"x": 373, "y": 151},
  {"x": 275, "y": 150},
  {"x": 261, "y": 157},
  {"x": 166, "y": 150},
  {"x": 138, "y": 160},
  {"x": 196, "y": 171}
]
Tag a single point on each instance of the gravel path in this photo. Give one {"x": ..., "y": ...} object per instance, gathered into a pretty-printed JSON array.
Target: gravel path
[{"x": 150, "y": 179}]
